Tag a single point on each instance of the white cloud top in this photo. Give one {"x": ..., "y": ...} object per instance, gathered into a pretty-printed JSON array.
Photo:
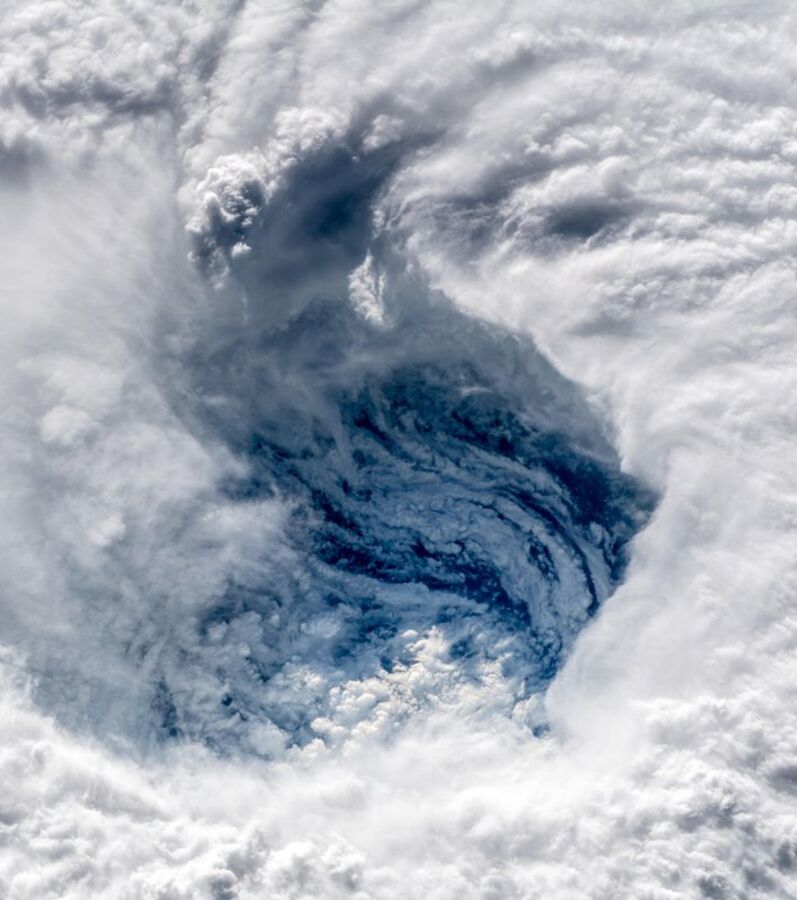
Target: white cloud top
[{"x": 181, "y": 188}]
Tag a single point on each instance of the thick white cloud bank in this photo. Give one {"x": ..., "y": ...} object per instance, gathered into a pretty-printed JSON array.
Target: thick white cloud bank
[{"x": 185, "y": 193}]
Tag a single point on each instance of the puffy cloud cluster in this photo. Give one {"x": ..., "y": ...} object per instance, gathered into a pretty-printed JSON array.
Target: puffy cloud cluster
[{"x": 178, "y": 185}]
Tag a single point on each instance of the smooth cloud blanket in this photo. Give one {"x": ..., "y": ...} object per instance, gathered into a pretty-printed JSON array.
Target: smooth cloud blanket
[{"x": 397, "y": 434}]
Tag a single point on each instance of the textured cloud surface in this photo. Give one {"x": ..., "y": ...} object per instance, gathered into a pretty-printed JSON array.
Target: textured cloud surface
[{"x": 397, "y": 433}]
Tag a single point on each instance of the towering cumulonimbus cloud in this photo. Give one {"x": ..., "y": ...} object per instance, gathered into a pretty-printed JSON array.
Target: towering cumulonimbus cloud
[{"x": 396, "y": 437}]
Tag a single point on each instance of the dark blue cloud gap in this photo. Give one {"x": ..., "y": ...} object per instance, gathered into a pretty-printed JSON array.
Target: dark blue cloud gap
[
  {"x": 442, "y": 476},
  {"x": 587, "y": 218},
  {"x": 427, "y": 493}
]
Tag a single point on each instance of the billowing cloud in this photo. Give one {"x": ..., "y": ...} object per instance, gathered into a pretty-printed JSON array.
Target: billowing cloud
[{"x": 397, "y": 433}]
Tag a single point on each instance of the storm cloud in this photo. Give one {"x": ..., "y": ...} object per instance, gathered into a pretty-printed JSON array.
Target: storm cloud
[{"x": 397, "y": 425}]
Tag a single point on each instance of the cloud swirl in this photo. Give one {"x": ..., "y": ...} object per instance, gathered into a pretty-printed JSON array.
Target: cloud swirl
[{"x": 397, "y": 427}]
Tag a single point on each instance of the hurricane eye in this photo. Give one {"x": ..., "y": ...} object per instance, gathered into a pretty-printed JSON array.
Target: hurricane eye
[{"x": 442, "y": 534}]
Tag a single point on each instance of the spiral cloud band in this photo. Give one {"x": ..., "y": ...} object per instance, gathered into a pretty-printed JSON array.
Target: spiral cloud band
[{"x": 397, "y": 435}]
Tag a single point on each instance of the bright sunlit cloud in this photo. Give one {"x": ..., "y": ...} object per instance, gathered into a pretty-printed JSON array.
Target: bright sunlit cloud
[{"x": 397, "y": 433}]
